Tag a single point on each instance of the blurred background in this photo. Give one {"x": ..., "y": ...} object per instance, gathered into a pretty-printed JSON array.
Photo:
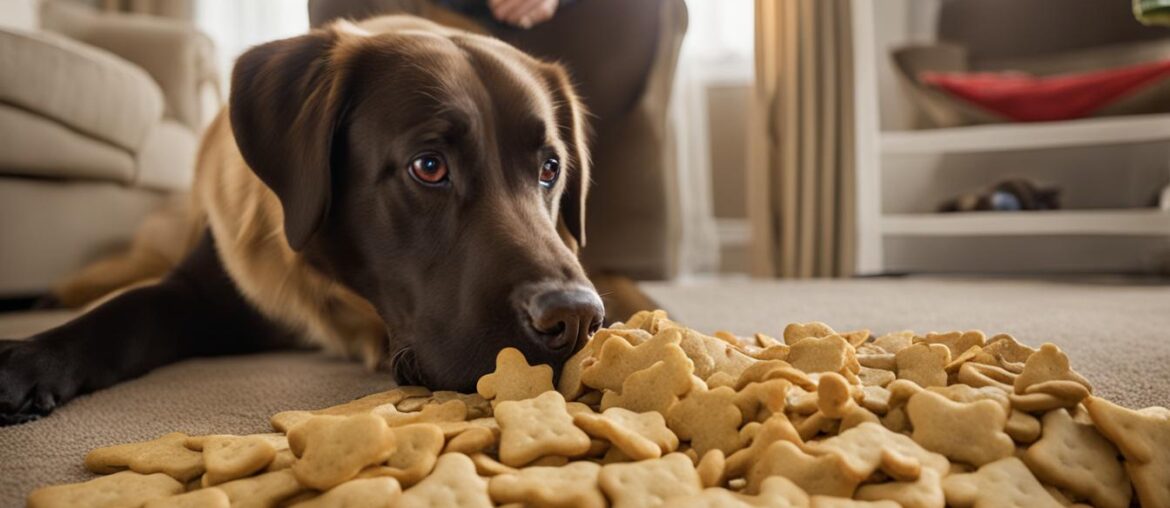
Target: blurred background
[{"x": 734, "y": 138}]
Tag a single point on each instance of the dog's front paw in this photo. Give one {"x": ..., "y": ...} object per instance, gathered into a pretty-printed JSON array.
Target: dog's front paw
[{"x": 33, "y": 381}]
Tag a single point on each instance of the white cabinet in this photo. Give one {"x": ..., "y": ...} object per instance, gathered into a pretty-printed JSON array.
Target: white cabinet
[{"x": 1111, "y": 171}]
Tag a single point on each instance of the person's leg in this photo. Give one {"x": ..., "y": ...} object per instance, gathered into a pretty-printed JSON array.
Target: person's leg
[
  {"x": 622, "y": 57},
  {"x": 608, "y": 45},
  {"x": 322, "y": 12}
]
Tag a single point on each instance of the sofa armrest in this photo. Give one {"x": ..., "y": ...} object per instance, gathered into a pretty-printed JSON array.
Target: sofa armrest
[
  {"x": 179, "y": 58},
  {"x": 84, "y": 88}
]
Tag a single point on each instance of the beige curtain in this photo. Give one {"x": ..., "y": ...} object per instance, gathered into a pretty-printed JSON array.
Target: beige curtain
[{"x": 801, "y": 167}]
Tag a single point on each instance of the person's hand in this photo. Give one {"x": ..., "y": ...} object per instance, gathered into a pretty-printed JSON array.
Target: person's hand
[{"x": 523, "y": 13}]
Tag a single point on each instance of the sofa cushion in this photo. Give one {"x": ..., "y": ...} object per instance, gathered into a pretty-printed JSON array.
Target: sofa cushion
[
  {"x": 33, "y": 145},
  {"x": 179, "y": 58},
  {"x": 167, "y": 158},
  {"x": 943, "y": 110},
  {"x": 1024, "y": 97},
  {"x": 85, "y": 88},
  {"x": 19, "y": 15},
  {"x": 50, "y": 229}
]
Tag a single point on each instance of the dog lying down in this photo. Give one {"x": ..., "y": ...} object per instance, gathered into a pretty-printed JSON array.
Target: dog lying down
[{"x": 395, "y": 190}]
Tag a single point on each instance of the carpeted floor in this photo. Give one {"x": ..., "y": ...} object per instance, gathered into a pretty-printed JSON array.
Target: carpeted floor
[{"x": 1117, "y": 334}]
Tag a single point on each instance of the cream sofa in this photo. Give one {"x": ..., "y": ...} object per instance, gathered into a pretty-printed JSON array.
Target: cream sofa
[{"x": 100, "y": 116}]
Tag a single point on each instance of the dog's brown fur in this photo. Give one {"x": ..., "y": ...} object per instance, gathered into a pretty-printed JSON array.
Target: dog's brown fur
[
  {"x": 397, "y": 191},
  {"x": 246, "y": 219}
]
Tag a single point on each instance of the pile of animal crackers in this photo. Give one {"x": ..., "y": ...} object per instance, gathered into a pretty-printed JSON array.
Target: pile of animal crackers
[{"x": 651, "y": 413}]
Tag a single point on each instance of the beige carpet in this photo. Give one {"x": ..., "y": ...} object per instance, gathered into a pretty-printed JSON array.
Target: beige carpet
[{"x": 1118, "y": 336}]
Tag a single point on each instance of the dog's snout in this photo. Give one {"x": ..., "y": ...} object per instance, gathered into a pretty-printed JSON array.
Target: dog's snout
[{"x": 564, "y": 319}]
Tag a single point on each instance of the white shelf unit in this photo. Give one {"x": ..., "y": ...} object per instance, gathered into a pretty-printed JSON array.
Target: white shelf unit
[
  {"x": 1029, "y": 136},
  {"x": 890, "y": 153},
  {"x": 1135, "y": 222}
]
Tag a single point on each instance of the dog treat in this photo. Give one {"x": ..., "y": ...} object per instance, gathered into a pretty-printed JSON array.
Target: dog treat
[
  {"x": 371, "y": 492},
  {"x": 815, "y": 474},
  {"x": 569, "y": 382},
  {"x": 869, "y": 447},
  {"x": 514, "y": 379},
  {"x": 777, "y": 492},
  {"x": 875, "y": 377},
  {"x": 1075, "y": 457},
  {"x": 263, "y": 490},
  {"x": 894, "y": 341},
  {"x": 486, "y": 466},
  {"x": 980, "y": 375},
  {"x": 711, "y": 355},
  {"x": 957, "y": 342},
  {"x": 1049, "y": 363},
  {"x": 202, "y": 498},
  {"x": 650, "y": 482},
  {"x": 473, "y": 440},
  {"x": 416, "y": 448},
  {"x": 450, "y": 411},
  {"x": 924, "y": 364},
  {"x": 533, "y": 428},
  {"x": 773, "y": 429},
  {"x": 227, "y": 458},
  {"x": 757, "y": 401},
  {"x": 618, "y": 360},
  {"x": 709, "y": 419},
  {"x": 1006, "y": 349},
  {"x": 711, "y": 467},
  {"x": 477, "y": 406},
  {"x": 655, "y": 388},
  {"x": 369, "y": 402},
  {"x": 970, "y": 432},
  {"x": 638, "y": 435},
  {"x": 572, "y": 485},
  {"x": 651, "y": 413},
  {"x": 838, "y": 502},
  {"x": 925, "y": 492},
  {"x": 454, "y": 482},
  {"x": 333, "y": 449},
  {"x": 1143, "y": 437},
  {"x": 126, "y": 488},
  {"x": 285, "y": 420},
  {"x": 167, "y": 454},
  {"x": 795, "y": 332},
  {"x": 1005, "y": 483},
  {"x": 831, "y": 353},
  {"x": 1022, "y": 427}
]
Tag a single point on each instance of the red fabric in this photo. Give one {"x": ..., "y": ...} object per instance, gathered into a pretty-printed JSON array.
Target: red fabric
[{"x": 1026, "y": 98}]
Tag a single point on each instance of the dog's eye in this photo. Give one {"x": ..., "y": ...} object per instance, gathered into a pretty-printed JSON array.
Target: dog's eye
[
  {"x": 550, "y": 172},
  {"x": 429, "y": 169}
]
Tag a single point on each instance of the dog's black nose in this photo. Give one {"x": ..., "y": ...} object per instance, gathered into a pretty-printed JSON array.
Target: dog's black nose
[{"x": 564, "y": 319}]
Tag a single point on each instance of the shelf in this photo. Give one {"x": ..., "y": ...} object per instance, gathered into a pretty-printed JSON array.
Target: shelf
[
  {"x": 1029, "y": 136},
  {"x": 1132, "y": 222}
]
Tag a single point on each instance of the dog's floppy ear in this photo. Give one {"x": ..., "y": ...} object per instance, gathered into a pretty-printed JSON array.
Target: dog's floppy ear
[
  {"x": 574, "y": 131},
  {"x": 286, "y": 101}
]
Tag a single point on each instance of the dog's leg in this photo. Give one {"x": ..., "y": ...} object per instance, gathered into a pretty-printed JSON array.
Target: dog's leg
[{"x": 195, "y": 311}]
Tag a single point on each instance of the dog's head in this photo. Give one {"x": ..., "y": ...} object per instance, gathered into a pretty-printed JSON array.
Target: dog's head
[{"x": 440, "y": 175}]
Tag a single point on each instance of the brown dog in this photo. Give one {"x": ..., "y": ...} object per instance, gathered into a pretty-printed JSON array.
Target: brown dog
[{"x": 392, "y": 189}]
